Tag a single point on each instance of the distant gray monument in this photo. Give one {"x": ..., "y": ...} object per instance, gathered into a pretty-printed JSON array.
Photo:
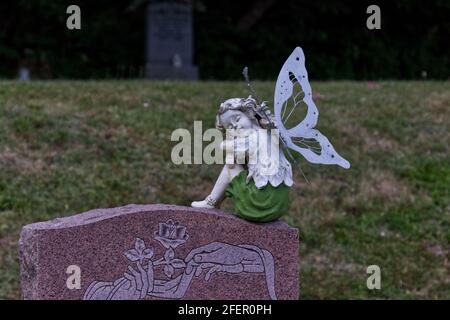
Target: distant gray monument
[{"x": 169, "y": 40}]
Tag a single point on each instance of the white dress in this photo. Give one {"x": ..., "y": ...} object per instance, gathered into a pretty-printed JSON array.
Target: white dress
[{"x": 264, "y": 166}]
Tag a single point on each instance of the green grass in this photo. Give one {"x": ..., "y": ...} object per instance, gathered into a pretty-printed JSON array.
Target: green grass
[{"x": 67, "y": 147}]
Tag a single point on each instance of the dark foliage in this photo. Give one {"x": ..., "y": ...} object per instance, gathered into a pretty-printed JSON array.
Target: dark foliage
[{"x": 413, "y": 41}]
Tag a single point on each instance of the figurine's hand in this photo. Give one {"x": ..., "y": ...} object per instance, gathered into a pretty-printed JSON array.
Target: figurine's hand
[{"x": 227, "y": 145}]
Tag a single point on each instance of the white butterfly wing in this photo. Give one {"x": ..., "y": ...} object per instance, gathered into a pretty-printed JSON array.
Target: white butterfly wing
[{"x": 292, "y": 91}]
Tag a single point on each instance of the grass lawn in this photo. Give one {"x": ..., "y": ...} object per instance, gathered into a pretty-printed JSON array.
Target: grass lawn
[{"x": 67, "y": 147}]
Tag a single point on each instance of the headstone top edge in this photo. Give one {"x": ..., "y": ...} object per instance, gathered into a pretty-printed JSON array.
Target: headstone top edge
[{"x": 100, "y": 214}]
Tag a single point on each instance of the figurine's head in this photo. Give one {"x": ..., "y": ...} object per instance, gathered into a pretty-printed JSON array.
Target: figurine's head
[{"x": 239, "y": 113}]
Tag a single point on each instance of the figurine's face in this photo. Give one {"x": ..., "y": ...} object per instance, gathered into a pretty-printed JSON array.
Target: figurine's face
[{"x": 235, "y": 119}]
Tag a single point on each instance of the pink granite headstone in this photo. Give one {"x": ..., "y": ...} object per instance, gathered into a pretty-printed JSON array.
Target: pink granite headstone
[{"x": 158, "y": 252}]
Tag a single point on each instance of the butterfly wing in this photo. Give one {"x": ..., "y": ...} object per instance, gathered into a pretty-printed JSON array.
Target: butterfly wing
[{"x": 293, "y": 96}]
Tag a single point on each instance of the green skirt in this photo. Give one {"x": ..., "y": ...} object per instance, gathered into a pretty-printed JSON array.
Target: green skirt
[{"x": 260, "y": 205}]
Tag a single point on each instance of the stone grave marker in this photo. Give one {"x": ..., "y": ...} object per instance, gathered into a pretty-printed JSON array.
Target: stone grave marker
[{"x": 158, "y": 252}]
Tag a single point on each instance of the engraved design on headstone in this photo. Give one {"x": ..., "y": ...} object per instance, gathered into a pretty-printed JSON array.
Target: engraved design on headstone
[{"x": 138, "y": 281}]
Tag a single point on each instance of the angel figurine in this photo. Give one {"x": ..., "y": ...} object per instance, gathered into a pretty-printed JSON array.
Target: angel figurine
[{"x": 259, "y": 176}]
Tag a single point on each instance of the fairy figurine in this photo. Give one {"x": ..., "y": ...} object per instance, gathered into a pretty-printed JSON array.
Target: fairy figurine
[{"x": 257, "y": 174}]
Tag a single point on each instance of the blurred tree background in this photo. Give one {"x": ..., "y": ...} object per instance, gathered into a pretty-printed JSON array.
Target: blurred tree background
[{"x": 413, "y": 42}]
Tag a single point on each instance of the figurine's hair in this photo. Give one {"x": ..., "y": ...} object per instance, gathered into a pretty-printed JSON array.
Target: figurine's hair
[{"x": 248, "y": 106}]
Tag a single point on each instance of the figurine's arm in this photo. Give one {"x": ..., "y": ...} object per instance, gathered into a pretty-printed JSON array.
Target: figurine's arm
[{"x": 236, "y": 150}]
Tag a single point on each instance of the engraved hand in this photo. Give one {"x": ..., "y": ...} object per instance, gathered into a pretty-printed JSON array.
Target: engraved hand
[
  {"x": 140, "y": 281},
  {"x": 223, "y": 257}
]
